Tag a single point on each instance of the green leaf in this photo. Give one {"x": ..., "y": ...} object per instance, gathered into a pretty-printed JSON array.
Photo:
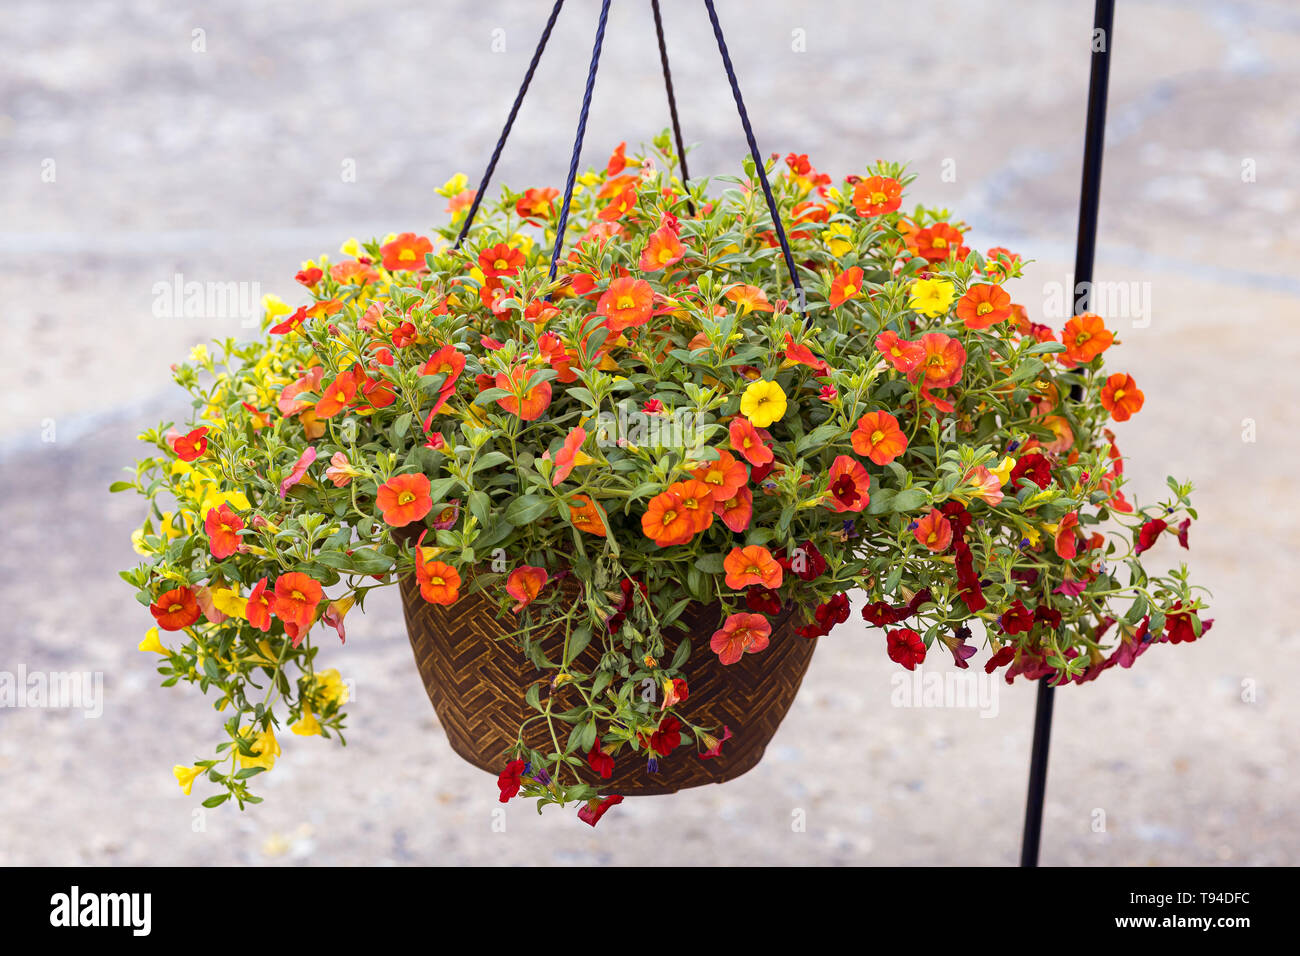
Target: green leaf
[
  {"x": 909, "y": 500},
  {"x": 710, "y": 563},
  {"x": 526, "y": 509}
]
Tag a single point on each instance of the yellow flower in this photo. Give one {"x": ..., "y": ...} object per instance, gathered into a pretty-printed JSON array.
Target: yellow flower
[
  {"x": 329, "y": 688},
  {"x": 589, "y": 178},
  {"x": 309, "y": 726},
  {"x": 1003, "y": 471},
  {"x": 931, "y": 297},
  {"x": 763, "y": 403},
  {"x": 151, "y": 642},
  {"x": 199, "y": 354},
  {"x": 455, "y": 185},
  {"x": 137, "y": 542},
  {"x": 351, "y": 248},
  {"x": 229, "y": 602},
  {"x": 274, "y": 307},
  {"x": 185, "y": 776},
  {"x": 264, "y": 746},
  {"x": 838, "y": 237}
]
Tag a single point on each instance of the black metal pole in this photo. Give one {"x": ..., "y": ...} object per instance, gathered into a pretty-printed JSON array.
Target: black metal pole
[{"x": 1085, "y": 249}]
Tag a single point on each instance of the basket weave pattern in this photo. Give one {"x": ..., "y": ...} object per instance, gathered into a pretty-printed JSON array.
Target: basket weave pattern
[{"x": 477, "y": 680}]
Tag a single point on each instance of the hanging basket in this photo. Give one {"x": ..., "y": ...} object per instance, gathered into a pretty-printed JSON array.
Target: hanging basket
[{"x": 477, "y": 678}]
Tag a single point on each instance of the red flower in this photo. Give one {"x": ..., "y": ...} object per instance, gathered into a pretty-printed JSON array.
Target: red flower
[
  {"x": 337, "y": 394},
  {"x": 601, "y": 762},
  {"x": 593, "y": 810},
  {"x": 762, "y": 600},
  {"x": 192, "y": 446},
  {"x": 881, "y": 613},
  {"x": 1066, "y": 543},
  {"x": 223, "y": 527},
  {"x": 1181, "y": 625},
  {"x": 906, "y": 647},
  {"x": 536, "y": 203},
  {"x": 524, "y": 584},
  {"x": 403, "y": 499},
  {"x": 1150, "y": 534},
  {"x": 741, "y": 634},
  {"x": 511, "y": 779},
  {"x": 828, "y": 614},
  {"x": 407, "y": 251},
  {"x": 737, "y": 510},
  {"x": 176, "y": 609},
  {"x": 1182, "y": 531},
  {"x": 935, "y": 243},
  {"x": 713, "y": 745},
  {"x": 534, "y": 402},
  {"x": 803, "y": 355},
  {"x": 900, "y": 353},
  {"x": 668, "y": 737},
  {"x": 1034, "y": 467},
  {"x": 500, "y": 260},
  {"x": 748, "y": 440}
]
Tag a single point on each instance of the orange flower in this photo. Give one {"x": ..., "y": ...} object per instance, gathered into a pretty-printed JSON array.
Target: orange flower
[
  {"x": 877, "y": 195},
  {"x": 536, "y": 203},
  {"x": 617, "y": 160},
  {"x": 500, "y": 260},
  {"x": 449, "y": 362},
  {"x": 337, "y": 395},
  {"x": 1085, "y": 338},
  {"x": 943, "y": 361},
  {"x": 803, "y": 355},
  {"x": 748, "y": 440},
  {"x": 585, "y": 516},
  {"x": 1064, "y": 439},
  {"x": 1066, "y": 544},
  {"x": 879, "y": 438},
  {"x": 848, "y": 485},
  {"x": 724, "y": 477},
  {"x": 403, "y": 499},
  {"x": 900, "y": 353},
  {"x": 741, "y": 634},
  {"x": 258, "y": 609},
  {"x": 295, "y": 600},
  {"x": 223, "y": 527},
  {"x": 662, "y": 249},
  {"x": 535, "y": 401},
  {"x": 984, "y": 305},
  {"x": 524, "y": 584},
  {"x": 567, "y": 456},
  {"x": 352, "y": 273},
  {"x": 935, "y": 243},
  {"x": 176, "y": 609},
  {"x": 752, "y": 565},
  {"x": 1121, "y": 397},
  {"x": 750, "y": 298},
  {"x": 934, "y": 531},
  {"x": 847, "y": 285},
  {"x": 407, "y": 251},
  {"x": 626, "y": 303},
  {"x": 678, "y": 514},
  {"x": 439, "y": 582},
  {"x": 620, "y": 205},
  {"x": 736, "y": 511},
  {"x": 988, "y": 488}
]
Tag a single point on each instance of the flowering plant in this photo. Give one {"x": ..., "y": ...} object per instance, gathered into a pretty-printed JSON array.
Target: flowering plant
[{"x": 648, "y": 429}]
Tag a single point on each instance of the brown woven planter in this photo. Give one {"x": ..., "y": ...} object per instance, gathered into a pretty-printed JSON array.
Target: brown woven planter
[{"x": 477, "y": 683}]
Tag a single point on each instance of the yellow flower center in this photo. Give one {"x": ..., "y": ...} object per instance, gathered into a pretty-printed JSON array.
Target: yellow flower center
[
  {"x": 626, "y": 302},
  {"x": 939, "y": 242},
  {"x": 984, "y": 309},
  {"x": 405, "y": 498},
  {"x": 878, "y": 197},
  {"x": 876, "y": 436}
]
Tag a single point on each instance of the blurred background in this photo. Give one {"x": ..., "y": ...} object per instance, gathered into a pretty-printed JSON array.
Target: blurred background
[{"x": 145, "y": 141}]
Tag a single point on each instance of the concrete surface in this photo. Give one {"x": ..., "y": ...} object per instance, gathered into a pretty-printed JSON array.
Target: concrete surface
[{"x": 225, "y": 165}]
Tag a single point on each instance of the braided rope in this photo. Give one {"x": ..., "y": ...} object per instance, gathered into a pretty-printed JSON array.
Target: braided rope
[{"x": 672, "y": 100}]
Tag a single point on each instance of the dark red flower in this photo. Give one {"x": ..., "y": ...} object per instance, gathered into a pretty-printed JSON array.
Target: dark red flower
[
  {"x": 1180, "y": 626},
  {"x": 828, "y": 614},
  {"x": 807, "y": 562},
  {"x": 1182, "y": 531},
  {"x": 591, "y": 812},
  {"x": 762, "y": 600},
  {"x": 510, "y": 779},
  {"x": 1017, "y": 619},
  {"x": 1034, "y": 467},
  {"x": 1048, "y": 615},
  {"x": 906, "y": 647},
  {"x": 600, "y": 762},
  {"x": 1150, "y": 533},
  {"x": 957, "y": 516},
  {"x": 881, "y": 613},
  {"x": 1003, "y": 657}
]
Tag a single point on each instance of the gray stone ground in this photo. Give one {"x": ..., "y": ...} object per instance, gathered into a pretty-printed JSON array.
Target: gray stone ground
[{"x": 224, "y": 165}]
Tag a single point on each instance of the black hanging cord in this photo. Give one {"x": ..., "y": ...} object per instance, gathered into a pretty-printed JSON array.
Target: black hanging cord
[
  {"x": 672, "y": 101},
  {"x": 1086, "y": 246},
  {"x": 753, "y": 151},
  {"x": 577, "y": 141},
  {"x": 510, "y": 122}
]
